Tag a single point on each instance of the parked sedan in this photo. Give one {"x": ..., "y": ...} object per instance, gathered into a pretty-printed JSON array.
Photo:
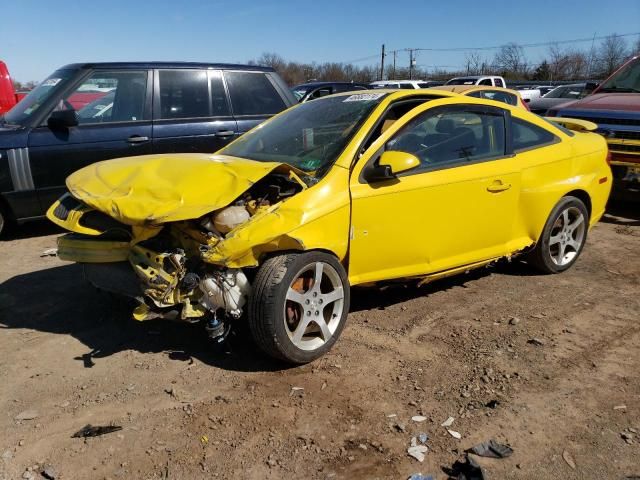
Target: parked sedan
[
  {"x": 558, "y": 95},
  {"x": 313, "y": 90},
  {"x": 350, "y": 189},
  {"x": 510, "y": 97}
]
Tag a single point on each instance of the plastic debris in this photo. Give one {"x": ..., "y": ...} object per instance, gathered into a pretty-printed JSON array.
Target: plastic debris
[
  {"x": 620, "y": 407},
  {"x": 296, "y": 391},
  {"x": 204, "y": 439},
  {"x": 91, "y": 431},
  {"x": 423, "y": 437},
  {"x": 49, "y": 252},
  {"x": 418, "y": 418},
  {"x": 492, "y": 449},
  {"x": 419, "y": 476},
  {"x": 454, "y": 434},
  {"x": 569, "y": 459},
  {"x": 448, "y": 422},
  {"x": 418, "y": 452},
  {"x": 470, "y": 470},
  {"x": 26, "y": 415}
]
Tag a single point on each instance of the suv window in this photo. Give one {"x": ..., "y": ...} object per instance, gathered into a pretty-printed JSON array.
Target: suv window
[
  {"x": 109, "y": 97},
  {"x": 219, "y": 103},
  {"x": 253, "y": 94},
  {"x": 450, "y": 137},
  {"x": 527, "y": 135},
  {"x": 486, "y": 81},
  {"x": 183, "y": 94},
  {"x": 499, "y": 82}
]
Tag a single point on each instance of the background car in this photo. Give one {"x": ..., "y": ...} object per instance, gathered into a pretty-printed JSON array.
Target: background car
[
  {"x": 558, "y": 95},
  {"x": 84, "y": 113},
  {"x": 528, "y": 93},
  {"x": 486, "y": 80},
  {"x": 288, "y": 217},
  {"x": 404, "y": 84},
  {"x": 313, "y": 90},
  {"x": 510, "y": 97}
]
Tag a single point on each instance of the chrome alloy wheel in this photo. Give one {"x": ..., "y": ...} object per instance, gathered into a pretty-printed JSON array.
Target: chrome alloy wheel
[
  {"x": 567, "y": 236},
  {"x": 313, "y": 306}
]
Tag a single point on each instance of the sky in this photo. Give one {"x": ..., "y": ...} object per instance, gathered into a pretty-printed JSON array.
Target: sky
[{"x": 38, "y": 36}]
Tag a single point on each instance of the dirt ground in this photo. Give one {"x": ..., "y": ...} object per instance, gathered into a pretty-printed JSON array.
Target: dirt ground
[{"x": 463, "y": 347}]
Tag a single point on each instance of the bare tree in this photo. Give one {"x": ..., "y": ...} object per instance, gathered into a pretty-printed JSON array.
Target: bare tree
[
  {"x": 510, "y": 60},
  {"x": 473, "y": 63},
  {"x": 611, "y": 53}
]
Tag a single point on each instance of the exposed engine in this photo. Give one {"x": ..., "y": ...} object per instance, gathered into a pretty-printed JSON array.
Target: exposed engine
[{"x": 177, "y": 284}]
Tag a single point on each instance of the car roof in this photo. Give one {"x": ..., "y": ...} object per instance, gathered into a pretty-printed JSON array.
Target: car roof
[
  {"x": 320, "y": 84},
  {"x": 466, "y": 88},
  {"x": 384, "y": 82},
  {"x": 127, "y": 65}
]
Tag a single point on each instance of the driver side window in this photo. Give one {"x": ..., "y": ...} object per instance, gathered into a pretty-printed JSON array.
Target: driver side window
[
  {"x": 107, "y": 97},
  {"x": 451, "y": 137}
]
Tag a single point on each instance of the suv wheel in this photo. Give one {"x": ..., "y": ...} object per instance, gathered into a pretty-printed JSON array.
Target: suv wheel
[
  {"x": 299, "y": 305},
  {"x": 563, "y": 237}
]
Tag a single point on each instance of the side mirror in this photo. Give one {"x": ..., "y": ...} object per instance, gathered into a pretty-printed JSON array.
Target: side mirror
[
  {"x": 590, "y": 87},
  {"x": 390, "y": 164},
  {"x": 63, "y": 119},
  {"x": 398, "y": 162}
]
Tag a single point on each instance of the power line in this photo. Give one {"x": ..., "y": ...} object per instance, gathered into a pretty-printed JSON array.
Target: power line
[{"x": 496, "y": 47}]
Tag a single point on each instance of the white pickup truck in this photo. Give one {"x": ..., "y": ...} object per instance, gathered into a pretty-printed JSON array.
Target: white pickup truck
[{"x": 487, "y": 80}]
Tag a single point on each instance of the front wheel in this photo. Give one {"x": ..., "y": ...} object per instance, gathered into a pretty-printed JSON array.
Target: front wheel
[
  {"x": 563, "y": 236},
  {"x": 299, "y": 305}
]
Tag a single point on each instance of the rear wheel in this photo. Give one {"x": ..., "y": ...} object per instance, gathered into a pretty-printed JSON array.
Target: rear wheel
[
  {"x": 299, "y": 305},
  {"x": 563, "y": 237}
]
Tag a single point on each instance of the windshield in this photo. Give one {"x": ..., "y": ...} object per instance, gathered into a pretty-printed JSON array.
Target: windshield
[
  {"x": 309, "y": 137},
  {"x": 462, "y": 81},
  {"x": 626, "y": 80},
  {"x": 30, "y": 104},
  {"x": 570, "y": 91},
  {"x": 300, "y": 92}
]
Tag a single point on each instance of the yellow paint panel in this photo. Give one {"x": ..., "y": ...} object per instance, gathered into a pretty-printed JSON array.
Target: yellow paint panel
[{"x": 154, "y": 189}]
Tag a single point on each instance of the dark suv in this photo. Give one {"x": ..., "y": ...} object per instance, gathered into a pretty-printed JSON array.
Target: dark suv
[{"x": 84, "y": 113}]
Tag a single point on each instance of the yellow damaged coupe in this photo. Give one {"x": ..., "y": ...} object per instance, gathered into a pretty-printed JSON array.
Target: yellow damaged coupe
[{"x": 349, "y": 189}]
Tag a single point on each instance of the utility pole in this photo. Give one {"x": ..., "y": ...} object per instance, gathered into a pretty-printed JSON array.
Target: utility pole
[
  {"x": 411, "y": 63},
  {"x": 382, "y": 64},
  {"x": 394, "y": 65}
]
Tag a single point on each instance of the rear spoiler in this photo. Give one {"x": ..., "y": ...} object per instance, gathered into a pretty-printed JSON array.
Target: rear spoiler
[{"x": 575, "y": 124}]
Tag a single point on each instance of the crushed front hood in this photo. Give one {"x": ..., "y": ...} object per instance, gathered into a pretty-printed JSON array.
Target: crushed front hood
[{"x": 153, "y": 189}]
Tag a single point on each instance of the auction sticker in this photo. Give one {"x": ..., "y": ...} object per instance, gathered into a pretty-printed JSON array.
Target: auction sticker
[{"x": 364, "y": 97}]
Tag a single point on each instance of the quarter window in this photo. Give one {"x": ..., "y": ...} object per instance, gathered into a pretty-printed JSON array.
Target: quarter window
[
  {"x": 452, "y": 137},
  {"x": 253, "y": 94},
  {"x": 527, "y": 135},
  {"x": 184, "y": 94},
  {"x": 107, "y": 97}
]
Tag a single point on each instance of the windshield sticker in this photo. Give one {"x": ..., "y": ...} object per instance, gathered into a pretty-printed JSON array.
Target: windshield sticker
[
  {"x": 51, "y": 82},
  {"x": 363, "y": 97}
]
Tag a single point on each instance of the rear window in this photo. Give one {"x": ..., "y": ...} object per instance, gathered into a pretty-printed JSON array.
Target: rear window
[
  {"x": 253, "y": 94},
  {"x": 184, "y": 94}
]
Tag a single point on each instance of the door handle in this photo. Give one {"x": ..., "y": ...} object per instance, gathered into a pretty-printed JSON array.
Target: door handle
[
  {"x": 498, "y": 186},
  {"x": 225, "y": 133},
  {"x": 137, "y": 139}
]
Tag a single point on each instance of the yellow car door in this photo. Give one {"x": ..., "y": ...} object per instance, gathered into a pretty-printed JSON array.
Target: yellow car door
[{"x": 456, "y": 208}]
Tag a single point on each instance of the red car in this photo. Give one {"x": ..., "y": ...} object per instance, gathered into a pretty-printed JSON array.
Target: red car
[{"x": 8, "y": 96}]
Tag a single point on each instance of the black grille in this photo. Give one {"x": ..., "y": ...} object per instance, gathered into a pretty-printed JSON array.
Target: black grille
[
  {"x": 627, "y": 135},
  {"x": 67, "y": 203},
  {"x": 104, "y": 223},
  {"x": 609, "y": 121},
  {"x": 615, "y": 147}
]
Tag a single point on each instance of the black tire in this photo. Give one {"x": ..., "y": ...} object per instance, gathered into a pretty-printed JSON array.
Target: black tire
[
  {"x": 267, "y": 303},
  {"x": 5, "y": 222},
  {"x": 540, "y": 257}
]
